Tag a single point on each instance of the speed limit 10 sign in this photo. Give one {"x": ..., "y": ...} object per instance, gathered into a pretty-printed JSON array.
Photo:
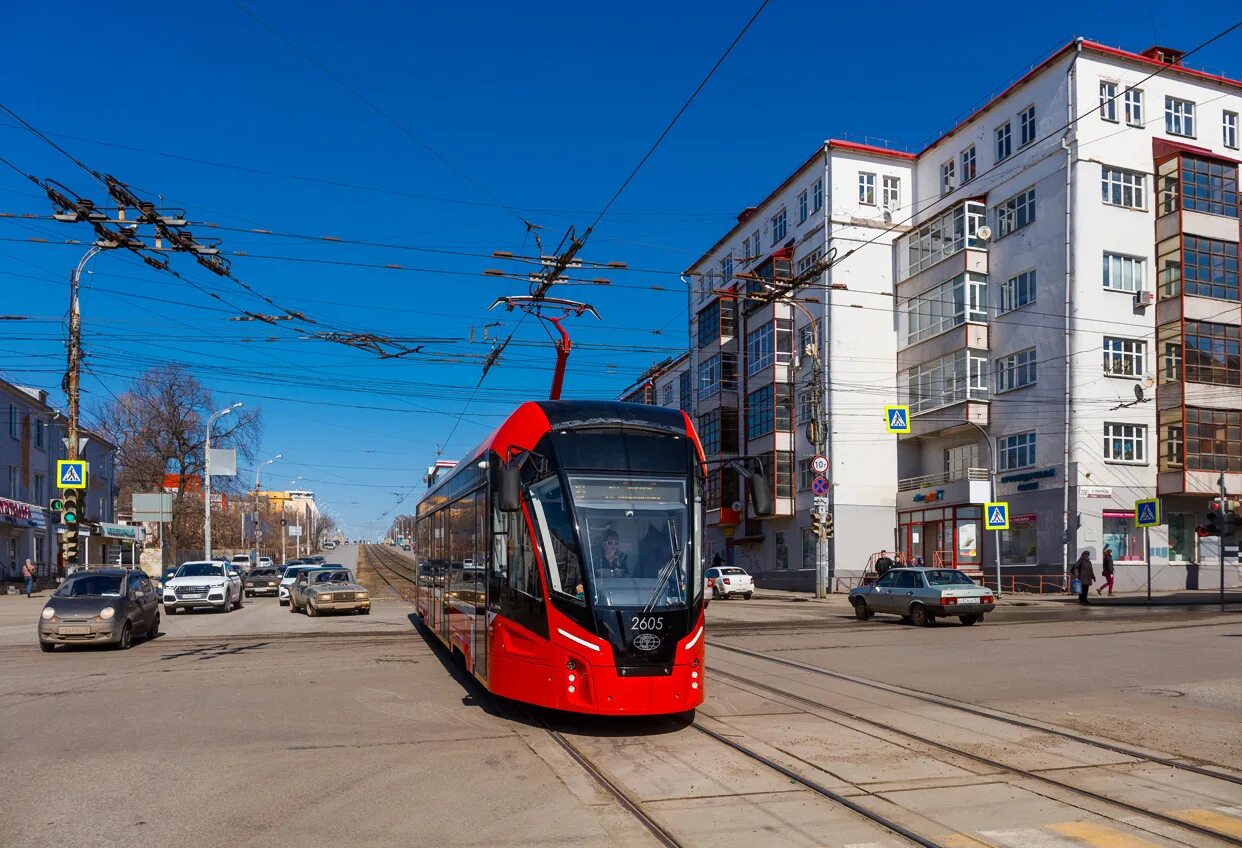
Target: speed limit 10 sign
[{"x": 819, "y": 464}]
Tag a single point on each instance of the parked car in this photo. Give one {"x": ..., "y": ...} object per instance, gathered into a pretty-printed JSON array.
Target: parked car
[
  {"x": 202, "y": 584},
  {"x": 330, "y": 589},
  {"x": 921, "y": 595},
  {"x": 725, "y": 581},
  {"x": 102, "y": 606},
  {"x": 290, "y": 574},
  {"x": 262, "y": 581},
  {"x": 242, "y": 561}
]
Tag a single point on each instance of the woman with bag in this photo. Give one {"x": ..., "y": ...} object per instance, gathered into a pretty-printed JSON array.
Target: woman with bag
[
  {"x": 1107, "y": 569},
  {"x": 1084, "y": 576}
]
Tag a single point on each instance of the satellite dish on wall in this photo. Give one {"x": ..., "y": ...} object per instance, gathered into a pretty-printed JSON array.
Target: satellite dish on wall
[
  {"x": 984, "y": 233},
  {"x": 736, "y": 506}
]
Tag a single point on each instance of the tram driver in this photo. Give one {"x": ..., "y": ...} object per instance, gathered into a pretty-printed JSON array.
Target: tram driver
[{"x": 615, "y": 563}]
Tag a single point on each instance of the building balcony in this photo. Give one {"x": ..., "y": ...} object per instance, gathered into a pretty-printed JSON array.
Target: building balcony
[
  {"x": 953, "y": 419},
  {"x": 971, "y": 335},
  {"x": 961, "y": 486},
  {"x": 952, "y": 232}
]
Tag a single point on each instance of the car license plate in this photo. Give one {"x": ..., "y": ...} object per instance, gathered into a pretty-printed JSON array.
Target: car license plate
[
  {"x": 195, "y": 595},
  {"x": 968, "y": 600},
  {"x": 74, "y": 631}
]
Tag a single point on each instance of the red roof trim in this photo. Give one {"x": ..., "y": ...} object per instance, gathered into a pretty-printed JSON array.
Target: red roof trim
[
  {"x": 1163, "y": 148},
  {"x": 1095, "y": 47},
  {"x": 871, "y": 149}
]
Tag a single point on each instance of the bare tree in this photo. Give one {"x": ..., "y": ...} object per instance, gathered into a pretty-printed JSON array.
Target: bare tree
[{"x": 158, "y": 426}]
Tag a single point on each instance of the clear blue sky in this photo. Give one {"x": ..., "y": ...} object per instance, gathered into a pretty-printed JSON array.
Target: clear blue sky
[{"x": 546, "y": 105}]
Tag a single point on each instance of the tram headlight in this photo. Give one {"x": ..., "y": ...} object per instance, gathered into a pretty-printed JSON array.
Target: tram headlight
[{"x": 571, "y": 665}]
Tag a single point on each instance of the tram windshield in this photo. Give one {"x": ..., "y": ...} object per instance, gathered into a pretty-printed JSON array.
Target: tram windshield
[{"x": 634, "y": 538}]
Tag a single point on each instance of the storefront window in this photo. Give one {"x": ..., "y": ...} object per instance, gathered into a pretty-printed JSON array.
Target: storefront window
[
  {"x": 782, "y": 552},
  {"x": 1018, "y": 542},
  {"x": 808, "y": 548},
  {"x": 968, "y": 541},
  {"x": 1181, "y": 537},
  {"x": 1123, "y": 537}
]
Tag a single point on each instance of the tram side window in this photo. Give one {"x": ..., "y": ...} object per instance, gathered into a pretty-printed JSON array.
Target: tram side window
[
  {"x": 523, "y": 570},
  {"x": 551, "y": 511}
]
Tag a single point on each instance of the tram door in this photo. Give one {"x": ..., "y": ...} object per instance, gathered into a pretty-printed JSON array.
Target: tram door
[
  {"x": 435, "y": 609},
  {"x": 481, "y": 569}
]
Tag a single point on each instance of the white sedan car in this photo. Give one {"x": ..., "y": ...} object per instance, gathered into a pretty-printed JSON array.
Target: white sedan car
[
  {"x": 725, "y": 581},
  {"x": 209, "y": 585}
]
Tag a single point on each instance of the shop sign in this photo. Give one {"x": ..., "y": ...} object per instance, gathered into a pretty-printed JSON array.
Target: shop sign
[
  {"x": 1029, "y": 477},
  {"x": 124, "y": 532},
  {"x": 14, "y": 509},
  {"x": 1095, "y": 491},
  {"x": 1026, "y": 519},
  {"x": 928, "y": 497}
]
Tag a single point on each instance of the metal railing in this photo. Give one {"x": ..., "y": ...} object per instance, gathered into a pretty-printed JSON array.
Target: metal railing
[{"x": 927, "y": 480}]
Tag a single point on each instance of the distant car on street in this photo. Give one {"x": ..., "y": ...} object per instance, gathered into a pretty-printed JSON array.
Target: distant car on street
[
  {"x": 291, "y": 572},
  {"x": 406, "y": 548},
  {"x": 100, "y": 607},
  {"x": 725, "y": 581},
  {"x": 921, "y": 595},
  {"x": 242, "y": 561},
  {"x": 266, "y": 562},
  {"x": 203, "y": 584},
  {"x": 262, "y": 581},
  {"x": 330, "y": 589}
]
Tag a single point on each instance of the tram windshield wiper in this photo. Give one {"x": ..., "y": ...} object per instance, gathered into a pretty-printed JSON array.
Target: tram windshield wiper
[{"x": 666, "y": 570}]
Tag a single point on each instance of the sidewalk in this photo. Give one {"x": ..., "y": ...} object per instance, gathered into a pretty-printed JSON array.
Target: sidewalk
[{"x": 1184, "y": 597}]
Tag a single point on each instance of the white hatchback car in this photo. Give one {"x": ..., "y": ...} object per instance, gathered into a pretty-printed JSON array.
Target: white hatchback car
[{"x": 725, "y": 581}]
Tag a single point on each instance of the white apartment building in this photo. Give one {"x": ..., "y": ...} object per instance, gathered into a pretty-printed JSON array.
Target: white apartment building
[{"x": 1052, "y": 286}]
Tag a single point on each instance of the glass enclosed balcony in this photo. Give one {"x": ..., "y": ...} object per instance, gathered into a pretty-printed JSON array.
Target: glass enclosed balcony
[{"x": 949, "y": 233}]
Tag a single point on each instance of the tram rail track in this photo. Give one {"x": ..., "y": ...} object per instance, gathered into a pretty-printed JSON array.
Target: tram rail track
[{"x": 812, "y": 706}]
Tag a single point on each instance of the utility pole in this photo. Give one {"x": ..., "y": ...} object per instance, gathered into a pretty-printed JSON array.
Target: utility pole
[
  {"x": 1224, "y": 509},
  {"x": 207, "y": 481}
]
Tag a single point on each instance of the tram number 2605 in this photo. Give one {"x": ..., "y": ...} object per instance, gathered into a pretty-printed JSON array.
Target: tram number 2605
[{"x": 646, "y": 624}]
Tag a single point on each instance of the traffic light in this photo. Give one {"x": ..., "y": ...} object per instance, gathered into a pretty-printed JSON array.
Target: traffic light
[
  {"x": 1216, "y": 521},
  {"x": 828, "y": 529},
  {"x": 817, "y": 525},
  {"x": 57, "y": 506},
  {"x": 69, "y": 507},
  {"x": 69, "y": 515}
]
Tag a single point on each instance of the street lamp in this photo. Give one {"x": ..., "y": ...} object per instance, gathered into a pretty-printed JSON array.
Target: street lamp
[
  {"x": 258, "y": 527},
  {"x": 987, "y": 440},
  {"x": 207, "y": 481},
  {"x": 284, "y": 531}
]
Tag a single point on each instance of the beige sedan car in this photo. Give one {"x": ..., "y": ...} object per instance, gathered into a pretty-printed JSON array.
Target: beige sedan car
[{"x": 328, "y": 589}]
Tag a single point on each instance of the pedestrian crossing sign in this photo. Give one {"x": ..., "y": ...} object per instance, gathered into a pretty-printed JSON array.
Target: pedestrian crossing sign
[
  {"x": 996, "y": 515},
  {"x": 71, "y": 473},
  {"x": 897, "y": 419},
  {"x": 1147, "y": 513}
]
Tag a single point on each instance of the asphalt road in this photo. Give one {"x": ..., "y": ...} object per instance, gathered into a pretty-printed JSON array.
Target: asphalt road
[{"x": 265, "y": 728}]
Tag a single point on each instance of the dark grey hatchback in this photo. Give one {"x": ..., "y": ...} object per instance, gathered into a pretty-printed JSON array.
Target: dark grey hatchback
[{"x": 98, "y": 607}]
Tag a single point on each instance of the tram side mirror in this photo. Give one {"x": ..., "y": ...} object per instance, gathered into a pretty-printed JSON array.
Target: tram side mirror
[
  {"x": 507, "y": 485},
  {"x": 760, "y": 494}
]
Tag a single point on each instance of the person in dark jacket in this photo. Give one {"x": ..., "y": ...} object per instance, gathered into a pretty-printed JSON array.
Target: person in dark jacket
[
  {"x": 1085, "y": 575},
  {"x": 1107, "y": 570},
  {"x": 882, "y": 564}
]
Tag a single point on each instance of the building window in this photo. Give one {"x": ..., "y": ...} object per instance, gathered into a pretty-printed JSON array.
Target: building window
[
  {"x": 804, "y": 211},
  {"x": 806, "y": 262},
  {"x": 1125, "y": 443},
  {"x": 1026, "y": 126},
  {"x": 808, "y": 336},
  {"x": 1210, "y": 268},
  {"x": 947, "y": 176},
  {"x": 1004, "y": 142},
  {"x": 1108, "y": 101},
  {"x": 1015, "y": 213},
  {"x": 866, "y": 189},
  {"x": 13, "y": 421},
  {"x": 1208, "y": 186},
  {"x": 709, "y": 432},
  {"x": 40, "y": 434},
  {"x": 1133, "y": 99},
  {"x": 1211, "y": 354},
  {"x": 726, "y": 269},
  {"x": 968, "y": 164},
  {"x": 948, "y": 305},
  {"x": 760, "y": 412},
  {"x": 779, "y": 221},
  {"x": 1123, "y": 188},
  {"x": 892, "y": 193},
  {"x": 40, "y": 490},
  {"x": 1123, "y": 273},
  {"x": 954, "y": 378},
  {"x": 1016, "y": 451},
  {"x": 668, "y": 394},
  {"x": 1179, "y": 117},
  {"x": 779, "y": 468},
  {"x": 1017, "y": 291},
  {"x": 817, "y": 195},
  {"x": 959, "y": 460},
  {"x": 1229, "y": 129},
  {"x": 805, "y": 475},
  {"x": 1124, "y": 357},
  {"x": 771, "y": 344},
  {"x": 683, "y": 389},
  {"x": 13, "y": 493},
  {"x": 806, "y": 405},
  {"x": 948, "y": 233},
  {"x": 718, "y": 374},
  {"x": 1213, "y": 440},
  {"x": 1015, "y": 371}
]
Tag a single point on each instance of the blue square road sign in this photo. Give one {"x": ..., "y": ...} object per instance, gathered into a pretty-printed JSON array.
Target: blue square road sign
[
  {"x": 996, "y": 515},
  {"x": 71, "y": 473},
  {"x": 1147, "y": 513}
]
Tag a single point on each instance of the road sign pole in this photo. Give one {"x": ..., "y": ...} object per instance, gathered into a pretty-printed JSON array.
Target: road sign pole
[{"x": 1147, "y": 546}]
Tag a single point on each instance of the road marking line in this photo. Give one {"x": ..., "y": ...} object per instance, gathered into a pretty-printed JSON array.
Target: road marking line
[
  {"x": 1027, "y": 837},
  {"x": 1211, "y": 819},
  {"x": 864, "y": 845},
  {"x": 1099, "y": 835},
  {"x": 962, "y": 840}
]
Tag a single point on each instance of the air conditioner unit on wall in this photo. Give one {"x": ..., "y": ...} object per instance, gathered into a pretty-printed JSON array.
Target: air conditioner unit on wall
[{"x": 1144, "y": 298}]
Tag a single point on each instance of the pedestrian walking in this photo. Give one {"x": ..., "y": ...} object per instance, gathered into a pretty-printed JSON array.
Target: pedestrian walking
[
  {"x": 1107, "y": 570},
  {"x": 882, "y": 563},
  {"x": 717, "y": 560},
  {"x": 1085, "y": 575},
  {"x": 28, "y": 574}
]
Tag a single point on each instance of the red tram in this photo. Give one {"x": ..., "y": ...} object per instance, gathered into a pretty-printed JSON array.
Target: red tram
[{"x": 562, "y": 558}]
